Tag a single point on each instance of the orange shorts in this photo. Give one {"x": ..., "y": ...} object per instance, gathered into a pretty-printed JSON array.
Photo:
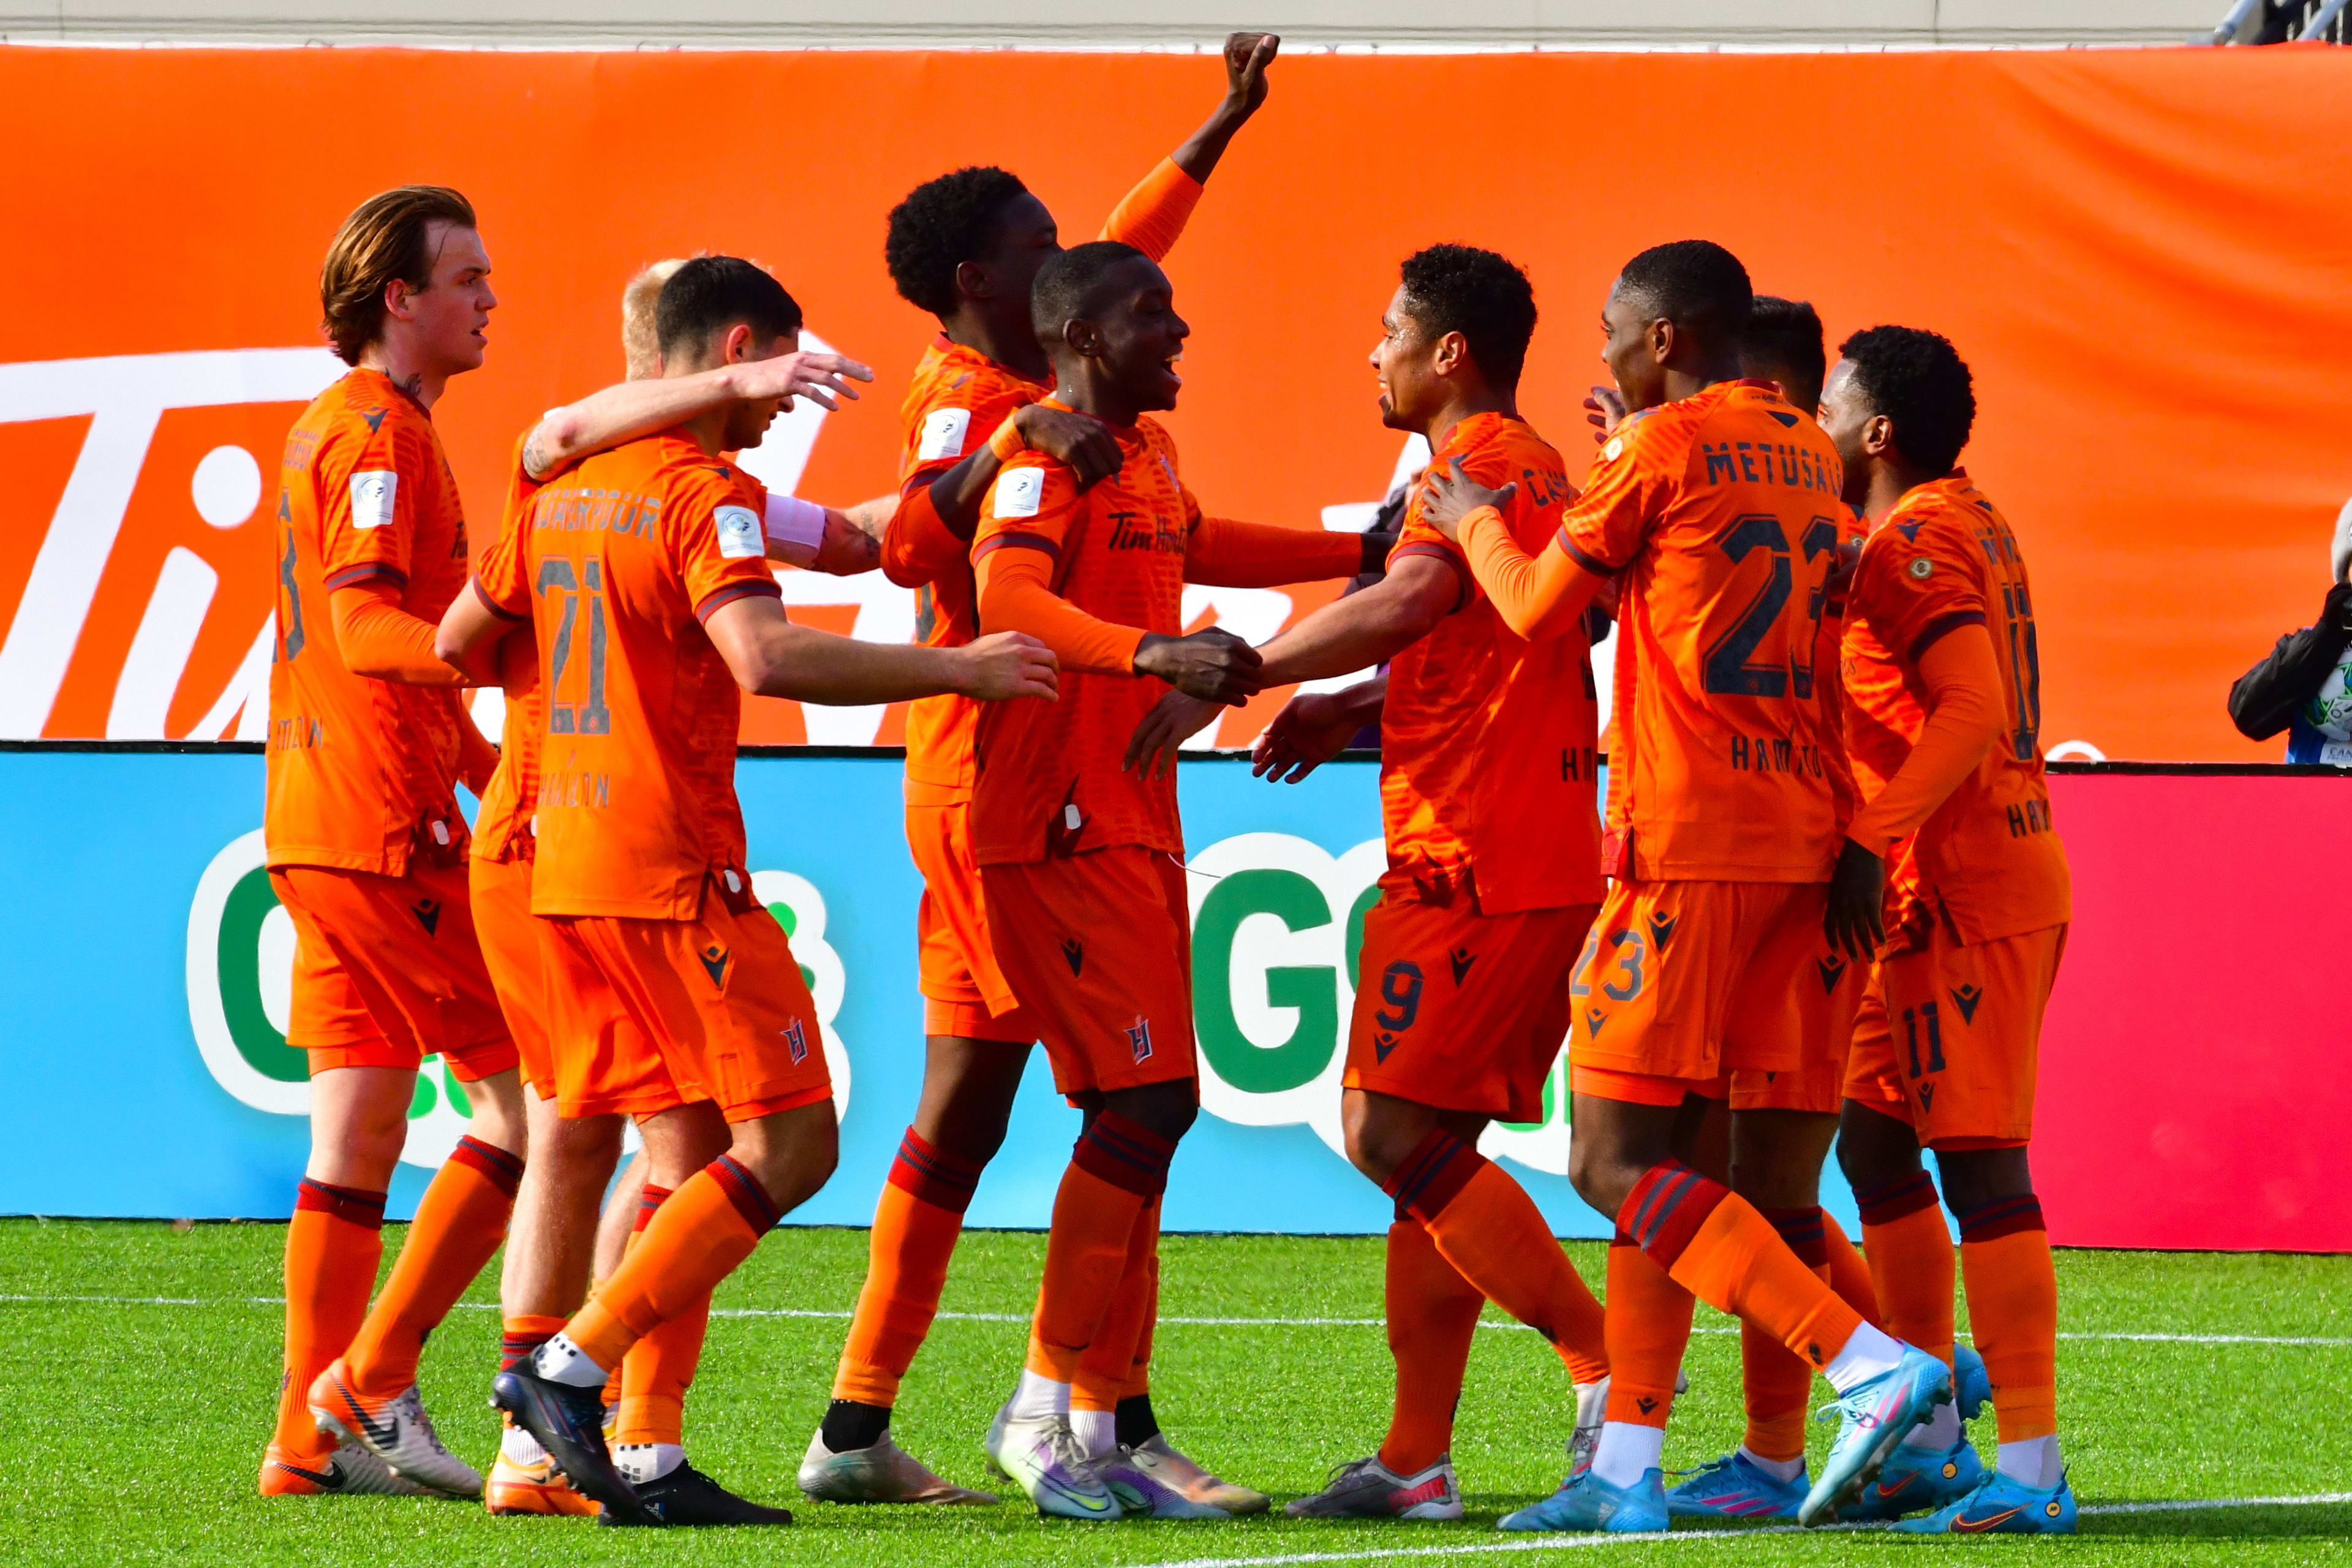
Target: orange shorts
[
  {"x": 1872, "y": 1076},
  {"x": 1459, "y": 1010},
  {"x": 964, "y": 992},
  {"x": 1099, "y": 946},
  {"x": 1829, "y": 999},
  {"x": 387, "y": 971},
  {"x": 649, "y": 1015},
  {"x": 1681, "y": 982},
  {"x": 513, "y": 947},
  {"x": 1963, "y": 1034}
]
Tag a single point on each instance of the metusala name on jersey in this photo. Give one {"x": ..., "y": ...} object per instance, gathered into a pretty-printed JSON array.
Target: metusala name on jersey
[{"x": 1769, "y": 463}]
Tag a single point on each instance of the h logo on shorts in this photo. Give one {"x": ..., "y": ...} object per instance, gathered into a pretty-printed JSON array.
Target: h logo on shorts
[
  {"x": 797, "y": 1041},
  {"x": 1139, "y": 1037}
]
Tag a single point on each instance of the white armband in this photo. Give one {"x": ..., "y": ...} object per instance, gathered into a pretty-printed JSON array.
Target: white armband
[{"x": 797, "y": 525}]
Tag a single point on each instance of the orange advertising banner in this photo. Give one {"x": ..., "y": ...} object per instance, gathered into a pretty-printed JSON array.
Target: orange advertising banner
[{"x": 2146, "y": 255}]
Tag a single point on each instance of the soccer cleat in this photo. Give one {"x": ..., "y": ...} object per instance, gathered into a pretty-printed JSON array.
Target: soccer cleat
[
  {"x": 1041, "y": 1456},
  {"x": 1141, "y": 1494},
  {"x": 883, "y": 1473},
  {"x": 2001, "y": 1506},
  {"x": 1916, "y": 1479},
  {"x": 1588, "y": 1502},
  {"x": 349, "y": 1472},
  {"x": 538, "y": 1489},
  {"x": 569, "y": 1423},
  {"x": 1971, "y": 1384},
  {"x": 1188, "y": 1480},
  {"x": 686, "y": 1499},
  {"x": 1736, "y": 1487},
  {"x": 1367, "y": 1488},
  {"x": 396, "y": 1430},
  {"x": 1876, "y": 1413}
]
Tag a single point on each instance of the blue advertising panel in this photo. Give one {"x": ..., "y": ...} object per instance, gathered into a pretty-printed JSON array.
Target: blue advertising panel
[{"x": 148, "y": 972}]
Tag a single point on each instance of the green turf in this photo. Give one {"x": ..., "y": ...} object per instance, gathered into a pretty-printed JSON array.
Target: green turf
[{"x": 132, "y": 1432}]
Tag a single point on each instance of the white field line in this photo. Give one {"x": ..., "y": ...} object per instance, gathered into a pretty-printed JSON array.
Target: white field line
[
  {"x": 1698, "y": 1537},
  {"x": 2312, "y": 1342}
]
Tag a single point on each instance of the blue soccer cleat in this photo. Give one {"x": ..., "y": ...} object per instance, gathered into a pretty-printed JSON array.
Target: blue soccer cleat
[
  {"x": 1735, "y": 1487},
  {"x": 1916, "y": 1479},
  {"x": 2001, "y": 1506},
  {"x": 1585, "y": 1501},
  {"x": 1876, "y": 1413},
  {"x": 1972, "y": 1386}
]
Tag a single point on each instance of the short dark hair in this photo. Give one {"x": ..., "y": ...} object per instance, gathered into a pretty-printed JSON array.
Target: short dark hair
[
  {"x": 1693, "y": 283},
  {"x": 1461, "y": 289},
  {"x": 1787, "y": 333},
  {"x": 942, "y": 225},
  {"x": 711, "y": 293},
  {"x": 1919, "y": 381},
  {"x": 1068, "y": 282}
]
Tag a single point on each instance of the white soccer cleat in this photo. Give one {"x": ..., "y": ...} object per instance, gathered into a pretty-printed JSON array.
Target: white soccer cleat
[
  {"x": 1367, "y": 1488},
  {"x": 883, "y": 1473},
  {"x": 1132, "y": 1475},
  {"x": 350, "y": 1471},
  {"x": 1042, "y": 1457},
  {"x": 396, "y": 1430}
]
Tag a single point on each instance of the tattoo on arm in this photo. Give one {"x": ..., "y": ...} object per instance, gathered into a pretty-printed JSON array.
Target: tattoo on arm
[{"x": 535, "y": 455}]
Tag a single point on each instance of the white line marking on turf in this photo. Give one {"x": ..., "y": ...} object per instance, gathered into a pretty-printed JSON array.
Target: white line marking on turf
[
  {"x": 1694, "y": 1537},
  {"x": 839, "y": 1315}
]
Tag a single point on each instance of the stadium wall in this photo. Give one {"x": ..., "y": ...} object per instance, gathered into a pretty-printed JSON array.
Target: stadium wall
[
  {"x": 2186, "y": 1097},
  {"x": 2140, "y": 251}
]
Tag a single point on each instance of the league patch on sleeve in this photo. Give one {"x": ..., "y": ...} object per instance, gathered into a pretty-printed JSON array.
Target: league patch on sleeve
[
  {"x": 1019, "y": 493},
  {"x": 372, "y": 493},
  {"x": 741, "y": 537},
  {"x": 943, "y": 433}
]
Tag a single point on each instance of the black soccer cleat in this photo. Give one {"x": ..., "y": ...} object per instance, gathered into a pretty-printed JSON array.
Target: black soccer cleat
[
  {"x": 569, "y": 1423},
  {"x": 687, "y": 1497}
]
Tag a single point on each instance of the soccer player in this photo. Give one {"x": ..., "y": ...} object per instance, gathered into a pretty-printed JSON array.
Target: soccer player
[
  {"x": 644, "y": 573},
  {"x": 1942, "y": 600},
  {"x": 1487, "y": 792},
  {"x": 1082, "y": 857},
  {"x": 555, "y": 1234},
  {"x": 1718, "y": 503},
  {"x": 367, "y": 851},
  {"x": 966, "y": 246}
]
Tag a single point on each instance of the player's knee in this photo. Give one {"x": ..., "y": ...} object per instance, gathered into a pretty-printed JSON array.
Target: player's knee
[
  {"x": 1167, "y": 1109},
  {"x": 1603, "y": 1176},
  {"x": 1875, "y": 1150},
  {"x": 1378, "y": 1140},
  {"x": 1974, "y": 1177}
]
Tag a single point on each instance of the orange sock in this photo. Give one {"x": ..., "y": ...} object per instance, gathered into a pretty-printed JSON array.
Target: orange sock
[
  {"x": 1117, "y": 1167},
  {"x": 1849, "y": 1272},
  {"x": 1910, "y": 1262},
  {"x": 651, "y": 1196},
  {"x": 657, "y": 1370},
  {"x": 458, "y": 1229},
  {"x": 1649, "y": 1329},
  {"x": 915, "y": 1225},
  {"x": 1433, "y": 1315},
  {"x": 333, "y": 1246},
  {"x": 702, "y": 1233},
  {"x": 1485, "y": 1224},
  {"x": 1108, "y": 1366},
  {"x": 1774, "y": 1383},
  {"x": 521, "y": 1334},
  {"x": 1715, "y": 1245},
  {"x": 2014, "y": 1311}
]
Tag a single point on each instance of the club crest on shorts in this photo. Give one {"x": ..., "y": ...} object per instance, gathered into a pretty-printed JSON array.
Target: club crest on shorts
[
  {"x": 1139, "y": 1037},
  {"x": 798, "y": 1040}
]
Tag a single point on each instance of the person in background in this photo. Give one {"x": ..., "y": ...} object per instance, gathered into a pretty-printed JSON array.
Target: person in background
[{"x": 2299, "y": 686}]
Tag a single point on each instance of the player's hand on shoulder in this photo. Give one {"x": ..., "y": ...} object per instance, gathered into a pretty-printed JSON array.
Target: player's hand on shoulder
[
  {"x": 1855, "y": 920},
  {"x": 1448, "y": 495},
  {"x": 1079, "y": 442},
  {"x": 1312, "y": 727},
  {"x": 1211, "y": 664},
  {"x": 1605, "y": 410},
  {"x": 1246, "y": 56},
  {"x": 822, "y": 378},
  {"x": 1005, "y": 665},
  {"x": 1173, "y": 720}
]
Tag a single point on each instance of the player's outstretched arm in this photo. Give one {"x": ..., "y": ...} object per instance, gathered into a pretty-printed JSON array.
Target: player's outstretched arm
[
  {"x": 630, "y": 409},
  {"x": 933, "y": 526},
  {"x": 837, "y": 542},
  {"x": 1247, "y": 56},
  {"x": 1222, "y": 554},
  {"x": 1537, "y": 596},
  {"x": 1366, "y": 628},
  {"x": 1315, "y": 727},
  {"x": 379, "y": 639},
  {"x": 772, "y": 658},
  {"x": 467, "y": 637}
]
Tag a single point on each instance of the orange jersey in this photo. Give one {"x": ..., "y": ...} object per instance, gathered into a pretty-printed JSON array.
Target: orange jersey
[
  {"x": 957, "y": 398},
  {"x": 361, "y": 771},
  {"x": 1722, "y": 512},
  {"x": 622, "y": 557},
  {"x": 507, "y": 801},
  {"x": 1880, "y": 718},
  {"x": 1942, "y": 559},
  {"x": 1488, "y": 741}
]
